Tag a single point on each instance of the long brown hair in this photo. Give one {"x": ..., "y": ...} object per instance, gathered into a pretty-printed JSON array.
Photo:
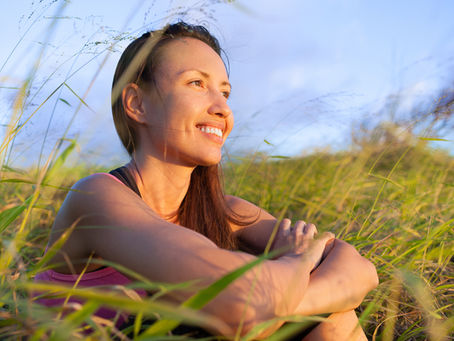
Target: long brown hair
[{"x": 204, "y": 208}]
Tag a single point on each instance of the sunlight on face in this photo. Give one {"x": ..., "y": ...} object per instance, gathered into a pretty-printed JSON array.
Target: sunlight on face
[{"x": 187, "y": 115}]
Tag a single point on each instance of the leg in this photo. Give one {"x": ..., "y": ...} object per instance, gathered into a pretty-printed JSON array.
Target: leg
[{"x": 339, "y": 327}]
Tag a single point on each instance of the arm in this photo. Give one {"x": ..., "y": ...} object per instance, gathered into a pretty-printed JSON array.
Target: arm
[
  {"x": 339, "y": 283},
  {"x": 255, "y": 236},
  {"x": 118, "y": 226}
]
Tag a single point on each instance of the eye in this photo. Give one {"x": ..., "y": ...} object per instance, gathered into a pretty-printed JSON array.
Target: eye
[
  {"x": 226, "y": 94},
  {"x": 196, "y": 82}
]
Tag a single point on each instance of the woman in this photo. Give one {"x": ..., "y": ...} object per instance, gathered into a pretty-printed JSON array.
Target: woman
[{"x": 164, "y": 214}]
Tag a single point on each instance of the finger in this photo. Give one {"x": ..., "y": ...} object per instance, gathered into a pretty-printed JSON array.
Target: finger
[
  {"x": 310, "y": 230},
  {"x": 311, "y": 226},
  {"x": 298, "y": 229},
  {"x": 326, "y": 236},
  {"x": 284, "y": 226}
]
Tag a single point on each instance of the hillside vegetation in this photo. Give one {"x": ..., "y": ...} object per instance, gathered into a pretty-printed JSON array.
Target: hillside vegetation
[{"x": 392, "y": 198}]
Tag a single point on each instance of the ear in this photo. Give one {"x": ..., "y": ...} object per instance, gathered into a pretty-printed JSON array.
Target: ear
[{"x": 132, "y": 97}]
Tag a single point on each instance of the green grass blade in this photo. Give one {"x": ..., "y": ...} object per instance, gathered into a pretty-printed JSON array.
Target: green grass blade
[
  {"x": 57, "y": 165},
  {"x": 52, "y": 251},
  {"x": 65, "y": 101},
  {"x": 11, "y": 169},
  {"x": 116, "y": 300},
  {"x": 291, "y": 329},
  {"x": 18, "y": 181},
  {"x": 10, "y": 214},
  {"x": 204, "y": 296},
  {"x": 78, "y": 97},
  {"x": 282, "y": 157},
  {"x": 387, "y": 180},
  {"x": 73, "y": 320},
  {"x": 302, "y": 323},
  {"x": 433, "y": 139}
]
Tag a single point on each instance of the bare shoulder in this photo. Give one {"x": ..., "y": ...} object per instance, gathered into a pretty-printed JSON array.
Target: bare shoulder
[
  {"x": 98, "y": 185},
  {"x": 100, "y": 199},
  {"x": 97, "y": 199},
  {"x": 81, "y": 194},
  {"x": 85, "y": 204},
  {"x": 91, "y": 196},
  {"x": 99, "y": 191}
]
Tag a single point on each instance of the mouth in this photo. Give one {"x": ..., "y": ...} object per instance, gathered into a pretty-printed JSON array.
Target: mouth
[{"x": 210, "y": 130}]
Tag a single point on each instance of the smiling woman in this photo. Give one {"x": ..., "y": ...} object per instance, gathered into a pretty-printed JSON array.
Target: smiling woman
[
  {"x": 185, "y": 116},
  {"x": 171, "y": 101},
  {"x": 168, "y": 218}
]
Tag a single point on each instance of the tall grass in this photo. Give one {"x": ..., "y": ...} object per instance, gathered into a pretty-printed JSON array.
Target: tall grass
[
  {"x": 392, "y": 198},
  {"x": 394, "y": 202}
]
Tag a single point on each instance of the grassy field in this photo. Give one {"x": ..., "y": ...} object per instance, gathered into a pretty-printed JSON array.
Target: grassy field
[
  {"x": 390, "y": 195},
  {"x": 392, "y": 199}
]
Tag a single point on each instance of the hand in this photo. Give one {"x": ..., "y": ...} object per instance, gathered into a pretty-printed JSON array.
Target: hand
[
  {"x": 300, "y": 240},
  {"x": 340, "y": 283}
]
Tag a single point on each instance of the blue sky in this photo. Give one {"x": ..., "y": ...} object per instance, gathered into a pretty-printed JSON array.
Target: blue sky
[{"x": 303, "y": 72}]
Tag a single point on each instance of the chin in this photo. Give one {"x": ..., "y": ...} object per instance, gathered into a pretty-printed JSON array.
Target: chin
[
  {"x": 209, "y": 160},
  {"x": 207, "y": 163},
  {"x": 205, "y": 160}
]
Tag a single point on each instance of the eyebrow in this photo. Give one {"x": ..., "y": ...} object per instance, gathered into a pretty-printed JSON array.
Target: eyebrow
[{"x": 206, "y": 75}]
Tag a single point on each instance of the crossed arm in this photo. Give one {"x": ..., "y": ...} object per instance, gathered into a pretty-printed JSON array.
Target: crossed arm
[
  {"x": 339, "y": 283},
  {"x": 124, "y": 230}
]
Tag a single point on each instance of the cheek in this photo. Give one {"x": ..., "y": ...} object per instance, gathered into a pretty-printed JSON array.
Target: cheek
[{"x": 180, "y": 107}]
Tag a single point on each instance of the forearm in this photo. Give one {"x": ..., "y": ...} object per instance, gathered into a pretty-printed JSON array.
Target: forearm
[
  {"x": 272, "y": 289},
  {"x": 339, "y": 283},
  {"x": 255, "y": 238},
  {"x": 281, "y": 279}
]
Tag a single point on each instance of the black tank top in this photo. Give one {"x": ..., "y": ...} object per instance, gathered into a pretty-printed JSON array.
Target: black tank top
[{"x": 124, "y": 175}]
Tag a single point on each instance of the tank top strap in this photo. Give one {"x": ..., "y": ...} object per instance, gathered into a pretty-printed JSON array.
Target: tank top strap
[{"x": 124, "y": 175}]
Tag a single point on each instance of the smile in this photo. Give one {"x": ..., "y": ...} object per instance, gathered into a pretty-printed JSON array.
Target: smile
[{"x": 210, "y": 130}]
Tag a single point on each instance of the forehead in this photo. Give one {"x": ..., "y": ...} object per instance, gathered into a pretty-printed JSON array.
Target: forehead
[{"x": 182, "y": 54}]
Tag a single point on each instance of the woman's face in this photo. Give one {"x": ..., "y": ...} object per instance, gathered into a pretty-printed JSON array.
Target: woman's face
[{"x": 187, "y": 118}]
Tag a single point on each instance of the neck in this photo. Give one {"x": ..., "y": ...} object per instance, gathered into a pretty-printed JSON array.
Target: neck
[{"x": 163, "y": 185}]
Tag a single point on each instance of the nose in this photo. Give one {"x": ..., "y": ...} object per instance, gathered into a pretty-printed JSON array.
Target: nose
[{"x": 219, "y": 106}]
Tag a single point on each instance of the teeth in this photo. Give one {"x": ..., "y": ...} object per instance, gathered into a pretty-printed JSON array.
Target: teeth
[{"x": 211, "y": 130}]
